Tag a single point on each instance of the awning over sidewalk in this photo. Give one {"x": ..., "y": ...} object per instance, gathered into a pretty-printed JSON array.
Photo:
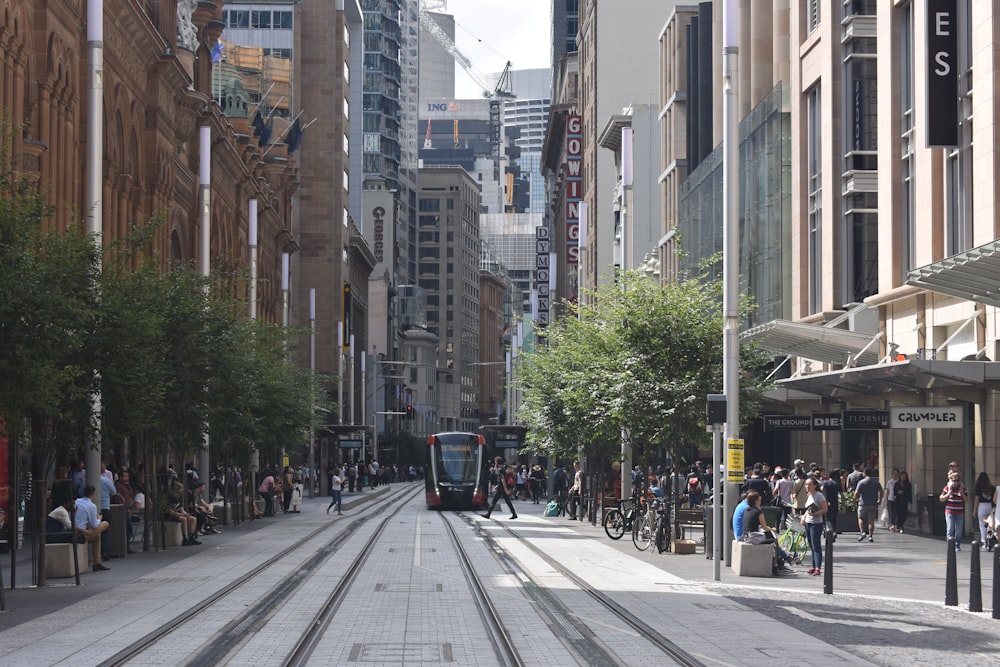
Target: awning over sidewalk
[
  {"x": 973, "y": 275},
  {"x": 809, "y": 341},
  {"x": 964, "y": 380}
]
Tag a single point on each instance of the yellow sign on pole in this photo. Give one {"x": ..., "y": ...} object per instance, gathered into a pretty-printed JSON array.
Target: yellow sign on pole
[{"x": 734, "y": 461}]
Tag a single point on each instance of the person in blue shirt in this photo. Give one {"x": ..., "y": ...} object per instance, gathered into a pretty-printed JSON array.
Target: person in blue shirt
[
  {"x": 91, "y": 527},
  {"x": 741, "y": 509}
]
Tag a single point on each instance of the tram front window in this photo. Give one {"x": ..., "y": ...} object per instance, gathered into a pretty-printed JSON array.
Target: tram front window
[{"x": 457, "y": 461}]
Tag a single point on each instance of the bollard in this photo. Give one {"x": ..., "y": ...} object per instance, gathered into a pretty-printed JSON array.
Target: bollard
[
  {"x": 951, "y": 577},
  {"x": 831, "y": 537},
  {"x": 975, "y": 584},
  {"x": 996, "y": 583}
]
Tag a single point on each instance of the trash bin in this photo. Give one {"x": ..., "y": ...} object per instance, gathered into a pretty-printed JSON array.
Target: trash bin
[
  {"x": 935, "y": 515},
  {"x": 117, "y": 535},
  {"x": 772, "y": 515}
]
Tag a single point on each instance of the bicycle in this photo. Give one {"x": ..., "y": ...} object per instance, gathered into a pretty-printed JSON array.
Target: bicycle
[
  {"x": 646, "y": 528},
  {"x": 621, "y": 518},
  {"x": 793, "y": 541}
]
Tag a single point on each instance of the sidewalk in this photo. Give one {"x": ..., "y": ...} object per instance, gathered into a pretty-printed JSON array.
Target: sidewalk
[
  {"x": 27, "y": 602},
  {"x": 907, "y": 566}
]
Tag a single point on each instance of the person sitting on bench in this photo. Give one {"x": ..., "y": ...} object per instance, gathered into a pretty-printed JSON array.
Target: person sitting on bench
[{"x": 756, "y": 530}]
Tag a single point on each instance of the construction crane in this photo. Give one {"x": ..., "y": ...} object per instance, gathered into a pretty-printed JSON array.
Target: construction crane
[{"x": 495, "y": 94}]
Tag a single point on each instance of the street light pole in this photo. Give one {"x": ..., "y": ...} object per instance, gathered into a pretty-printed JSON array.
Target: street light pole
[{"x": 312, "y": 385}]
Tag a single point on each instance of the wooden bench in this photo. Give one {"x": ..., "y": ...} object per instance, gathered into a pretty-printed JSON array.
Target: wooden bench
[
  {"x": 691, "y": 520},
  {"x": 753, "y": 560},
  {"x": 59, "y": 559}
]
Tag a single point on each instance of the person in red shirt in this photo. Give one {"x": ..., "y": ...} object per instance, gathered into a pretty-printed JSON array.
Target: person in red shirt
[{"x": 953, "y": 496}]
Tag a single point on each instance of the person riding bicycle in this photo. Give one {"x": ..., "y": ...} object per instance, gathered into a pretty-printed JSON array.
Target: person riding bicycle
[{"x": 756, "y": 530}]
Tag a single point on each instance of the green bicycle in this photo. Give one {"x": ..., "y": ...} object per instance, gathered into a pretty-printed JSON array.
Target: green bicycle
[{"x": 793, "y": 541}]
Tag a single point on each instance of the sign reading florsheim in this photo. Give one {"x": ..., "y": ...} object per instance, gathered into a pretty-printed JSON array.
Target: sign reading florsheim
[{"x": 854, "y": 420}]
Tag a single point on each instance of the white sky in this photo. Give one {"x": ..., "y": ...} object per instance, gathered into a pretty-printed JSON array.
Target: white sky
[{"x": 491, "y": 32}]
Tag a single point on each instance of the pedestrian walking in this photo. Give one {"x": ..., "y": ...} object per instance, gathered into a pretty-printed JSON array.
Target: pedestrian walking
[
  {"x": 953, "y": 496},
  {"x": 502, "y": 490},
  {"x": 336, "y": 490},
  {"x": 904, "y": 496},
  {"x": 868, "y": 493}
]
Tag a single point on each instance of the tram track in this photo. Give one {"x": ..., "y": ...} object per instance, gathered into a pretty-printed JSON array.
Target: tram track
[
  {"x": 503, "y": 645},
  {"x": 309, "y": 639},
  {"x": 551, "y": 605},
  {"x": 223, "y": 642}
]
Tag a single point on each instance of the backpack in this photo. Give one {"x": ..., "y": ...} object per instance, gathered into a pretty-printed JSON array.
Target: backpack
[
  {"x": 694, "y": 485},
  {"x": 559, "y": 478},
  {"x": 552, "y": 509}
]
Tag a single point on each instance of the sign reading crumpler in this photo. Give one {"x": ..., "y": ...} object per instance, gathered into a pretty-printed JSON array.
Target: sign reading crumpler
[
  {"x": 948, "y": 417},
  {"x": 852, "y": 420}
]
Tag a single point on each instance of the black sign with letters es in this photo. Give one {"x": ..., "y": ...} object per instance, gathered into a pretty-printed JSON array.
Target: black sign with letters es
[{"x": 942, "y": 73}]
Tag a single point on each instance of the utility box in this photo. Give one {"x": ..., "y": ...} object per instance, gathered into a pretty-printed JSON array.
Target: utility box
[{"x": 716, "y": 409}]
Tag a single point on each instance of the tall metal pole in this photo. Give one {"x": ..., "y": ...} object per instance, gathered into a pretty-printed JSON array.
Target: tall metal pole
[
  {"x": 312, "y": 381},
  {"x": 717, "y": 547},
  {"x": 350, "y": 397},
  {"x": 252, "y": 242},
  {"x": 94, "y": 203},
  {"x": 730, "y": 242},
  {"x": 284, "y": 289},
  {"x": 509, "y": 411},
  {"x": 364, "y": 388},
  {"x": 625, "y": 238},
  {"x": 204, "y": 254},
  {"x": 340, "y": 374}
]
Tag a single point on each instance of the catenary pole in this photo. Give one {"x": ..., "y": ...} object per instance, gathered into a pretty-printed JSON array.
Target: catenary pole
[
  {"x": 730, "y": 243},
  {"x": 204, "y": 250},
  {"x": 94, "y": 203}
]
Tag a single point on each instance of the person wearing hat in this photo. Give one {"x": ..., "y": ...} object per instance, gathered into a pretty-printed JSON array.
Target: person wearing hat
[{"x": 800, "y": 495}]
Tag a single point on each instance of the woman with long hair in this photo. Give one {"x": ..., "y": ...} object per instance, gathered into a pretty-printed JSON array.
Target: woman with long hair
[
  {"x": 904, "y": 496},
  {"x": 982, "y": 503},
  {"x": 816, "y": 507},
  {"x": 890, "y": 499}
]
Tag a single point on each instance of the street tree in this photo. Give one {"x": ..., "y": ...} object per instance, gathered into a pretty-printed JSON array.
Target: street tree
[{"x": 636, "y": 358}]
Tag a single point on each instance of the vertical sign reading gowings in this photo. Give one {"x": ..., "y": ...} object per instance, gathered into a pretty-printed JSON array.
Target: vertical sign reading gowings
[
  {"x": 942, "y": 73},
  {"x": 574, "y": 186}
]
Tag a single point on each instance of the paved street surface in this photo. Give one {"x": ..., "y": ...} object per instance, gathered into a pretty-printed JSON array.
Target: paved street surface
[{"x": 887, "y": 607}]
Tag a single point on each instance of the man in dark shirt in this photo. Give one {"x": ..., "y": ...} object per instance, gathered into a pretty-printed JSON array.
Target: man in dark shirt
[
  {"x": 869, "y": 495},
  {"x": 831, "y": 489},
  {"x": 757, "y": 483}
]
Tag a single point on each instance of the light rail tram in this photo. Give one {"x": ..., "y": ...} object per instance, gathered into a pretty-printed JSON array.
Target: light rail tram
[{"x": 456, "y": 476}]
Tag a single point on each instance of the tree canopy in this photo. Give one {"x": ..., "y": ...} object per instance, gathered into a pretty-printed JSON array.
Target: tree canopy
[
  {"x": 168, "y": 352},
  {"x": 638, "y": 357}
]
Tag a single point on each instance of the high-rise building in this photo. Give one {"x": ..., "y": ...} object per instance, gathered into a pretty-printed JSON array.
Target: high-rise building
[
  {"x": 527, "y": 114},
  {"x": 437, "y": 64},
  {"x": 448, "y": 246}
]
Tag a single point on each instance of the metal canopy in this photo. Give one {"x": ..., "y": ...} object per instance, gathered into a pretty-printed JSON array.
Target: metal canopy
[
  {"x": 948, "y": 378},
  {"x": 809, "y": 341},
  {"x": 973, "y": 275}
]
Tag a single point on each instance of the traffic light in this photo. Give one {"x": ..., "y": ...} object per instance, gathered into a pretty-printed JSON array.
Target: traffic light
[{"x": 410, "y": 412}]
